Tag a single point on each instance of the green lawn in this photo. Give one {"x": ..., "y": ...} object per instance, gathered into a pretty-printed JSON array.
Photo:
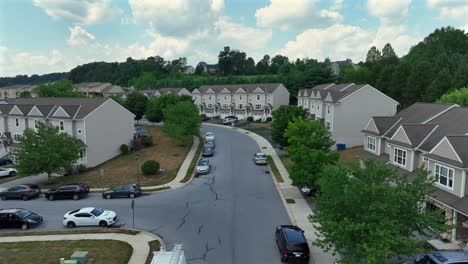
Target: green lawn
[
  {"x": 68, "y": 232},
  {"x": 45, "y": 252},
  {"x": 274, "y": 169},
  {"x": 154, "y": 246}
]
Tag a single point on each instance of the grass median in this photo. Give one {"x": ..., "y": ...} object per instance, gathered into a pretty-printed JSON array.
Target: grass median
[
  {"x": 274, "y": 169},
  {"x": 189, "y": 173},
  {"x": 70, "y": 232}
]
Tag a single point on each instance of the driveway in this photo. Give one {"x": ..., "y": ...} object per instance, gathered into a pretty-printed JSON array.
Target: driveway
[{"x": 227, "y": 216}]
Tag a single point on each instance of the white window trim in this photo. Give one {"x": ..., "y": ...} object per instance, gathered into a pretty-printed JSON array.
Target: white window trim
[
  {"x": 448, "y": 170},
  {"x": 17, "y": 122},
  {"x": 375, "y": 144},
  {"x": 80, "y": 131},
  {"x": 15, "y": 135},
  {"x": 61, "y": 124},
  {"x": 394, "y": 156}
]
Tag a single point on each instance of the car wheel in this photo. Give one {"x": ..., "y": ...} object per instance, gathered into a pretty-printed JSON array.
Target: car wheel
[
  {"x": 71, "y": 224},
  {"x": 51, "y": 197},
  {"x": 103, "y": 224},
  {"x": 24, "y": 197},
  {"x": 24, "y": 226},
  {"x": 76, "y": 197},
  {"x": 12, "y": 173},
  {"x": 284, "y": 259},
  {"x": 3, "y": 197},
  {"x": 108, "y": 196},
  {"x": 131, "y": 195}
]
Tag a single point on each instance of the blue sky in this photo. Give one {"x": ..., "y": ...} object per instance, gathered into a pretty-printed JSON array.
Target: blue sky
[{"x": 41, "y": 36}]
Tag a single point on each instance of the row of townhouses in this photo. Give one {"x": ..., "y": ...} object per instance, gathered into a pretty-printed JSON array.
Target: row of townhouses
[
  {"x": 15, "y": 91},
  {"x": 345, "y": 109},
  {"x": 100, "y": 124},
  {"x": 159, "y": 92},
  {"x": 431, "y": 136}
]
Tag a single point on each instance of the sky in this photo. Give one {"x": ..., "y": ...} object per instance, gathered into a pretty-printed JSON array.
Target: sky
[{"x": 43, "y": 36}]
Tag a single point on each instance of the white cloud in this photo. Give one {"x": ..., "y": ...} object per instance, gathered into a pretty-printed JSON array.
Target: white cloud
[
  {"x": 389, "y": 11},
  {"x": 465, "y": 27},
  {"x": 340, "y": 42},
  {"x": 454, "y": 9},
  {"x": 336, "y": 5},
  {"x": 79, "y": 12},
  {"x": 177, "y": 17},
  {"x": 240, "y": 36},
  {"x": 12, "y": 64},
  {"x": 80, "y": 37},
  {"x": 296, "y": 14}
]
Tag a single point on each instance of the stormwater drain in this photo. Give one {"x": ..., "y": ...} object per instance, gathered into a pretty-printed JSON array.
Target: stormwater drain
[{"x": 267, "y": 172}]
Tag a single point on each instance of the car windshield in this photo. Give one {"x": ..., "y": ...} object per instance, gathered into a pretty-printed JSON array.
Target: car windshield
[
  {"x": 203, "y": 163},
  {"x": 261, "y": 156},
  {"x": 209, "y": 134},
  {"x": 425, "y": 260},
  {"x": 23, "y": 213},
  {"x": 97, "y": 211},
  {"x": 207, "y": 149}
]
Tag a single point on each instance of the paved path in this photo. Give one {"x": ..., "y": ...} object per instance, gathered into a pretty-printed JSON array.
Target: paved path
[
  {"x": 139, "y": 242},
  {"x": 300, "y": 210},
  {"x": 36, "y": 179}
]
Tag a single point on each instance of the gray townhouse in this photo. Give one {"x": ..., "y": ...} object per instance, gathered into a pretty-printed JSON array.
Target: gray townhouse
[
  {"x": 344, "y": 109},
  {"x": 100, "y": 124},
  {"x": 159, "y": 92},
  {"x": 431, "y": 136},
  {"x": 242, "y": 100},
  {"x": 98, "y": 89}
]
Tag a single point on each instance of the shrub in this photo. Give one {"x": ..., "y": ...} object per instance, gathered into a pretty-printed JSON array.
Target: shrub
[
  {"x": 269, "y": 119},
  {"x": 147, "y": 141},
  {"x": 124, "y": 149},
  {"x": 250, "y": 118},
  {"x": 82, "y": 168},
  {"x": 150, "y": 167}
]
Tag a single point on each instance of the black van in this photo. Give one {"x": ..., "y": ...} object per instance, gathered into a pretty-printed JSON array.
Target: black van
[
  {"x": 19, "y": 218},
  {"x": 291, "y": 243}
]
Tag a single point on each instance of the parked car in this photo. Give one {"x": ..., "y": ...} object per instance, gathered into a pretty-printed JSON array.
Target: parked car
[
  {"x": 5, "y": 172},
  {"x": 69, "y": 191},
  {"x": 89, "y": 216},
  {"x": 208, "y": 152},
  {"x": 291, "y": 243},
  {"x": 441, "y": 257},
  {"x": 19, "y": 218},
  {"x": 204, "y": 117},
  {"x": 308, "y": 191},
  {"x": 229, "y": 120},
  {"x": 210, "y": 143},
  {"x": 5, "y": 161},
  {"x": 123, "y": 191},
  {"x": 209, "y": 136},
  {"x": 23, "y": 191},
  {"x": 260, "y": 158},
  {"x": 203, "y": 167}
]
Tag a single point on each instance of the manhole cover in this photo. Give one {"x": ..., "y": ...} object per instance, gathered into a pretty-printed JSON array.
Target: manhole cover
[{"x": 267, "y": 172}]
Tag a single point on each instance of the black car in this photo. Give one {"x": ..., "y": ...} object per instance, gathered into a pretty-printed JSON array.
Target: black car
[
  {"x": 291, "y": 243},
  {"x": 69, "y": 191},
  {"x": 208, "y": 152},
  {"x": 23, "y": 191},
  {"x": 5, "y": 161},
  {"x": 19, "y": 218},
  {"x": 125, "y": 190}
]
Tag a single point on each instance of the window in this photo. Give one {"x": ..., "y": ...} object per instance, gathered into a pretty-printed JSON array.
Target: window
[
  {"x": 328, "y": 109},
  {"x": 36, "y": 123},
  {"x": 240, "y": 97},
  {"x": 318, "y": 106},
  {"x": 258, "y": 97},
  {"x": 62, "y": 128},
  {"x": 225, "y": 98},
  {"x": 225, "y": 106},
  {"x": 241, "y": 106},
  {"x": 80, "y": 131},
  {"x": 258, "y": 107},
  {"x": 16, "y": 137},
  {"x": 328, "y": 125},
  {"x": 400, "y": 156},
  {"x": 371, "y": 143},
  {"x": 17, "y": 122},
  {"x": 444, "y": 175},
  {"x": 209, "y": 97},
  {"x": 210, "y": 106}
]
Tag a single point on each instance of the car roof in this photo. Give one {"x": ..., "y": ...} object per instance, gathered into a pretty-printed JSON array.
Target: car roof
[
  {"x": 449, "y": 256},
  {"x": 209, "y": 133},
  {"x": 85, "y": 210},
  {"x": 293, "y": 234},
  {"x": 260, "y": 153},
  {"x": 10, "y": 210}
]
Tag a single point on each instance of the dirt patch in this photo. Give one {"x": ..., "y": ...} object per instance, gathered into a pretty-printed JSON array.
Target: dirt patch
[{"x": 349, "y": 156}]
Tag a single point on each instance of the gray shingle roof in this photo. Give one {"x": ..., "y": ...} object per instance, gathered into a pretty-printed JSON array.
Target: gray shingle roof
[
  {"x": 383, "y": 123},
  {"x": 19, "y": 86},
  {"x": 249, "y": 88},
  {"x": 460, "y": 144},
  {"x": 418, "y": 132}
]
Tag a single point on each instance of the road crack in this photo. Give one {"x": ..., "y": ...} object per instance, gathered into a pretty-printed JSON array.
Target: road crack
[
  {"x": 204, "y": 255},
  {"x": 183, "y": 220},
  {"x": 200, "y": 229}
]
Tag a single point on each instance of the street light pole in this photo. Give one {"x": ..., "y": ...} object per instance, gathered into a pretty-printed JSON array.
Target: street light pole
[{"x": 138, "y": 168}]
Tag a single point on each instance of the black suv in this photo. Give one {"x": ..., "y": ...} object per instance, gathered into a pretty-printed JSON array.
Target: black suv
[
  {"x": 125, "y": 190},
  {"x": 70, "y": 191},
  {"x": 18, "y": 218},
  {"x": 441, "y": 257},
  {"x": 23, "y": 191},
  {"x": 292, "y": 243}
]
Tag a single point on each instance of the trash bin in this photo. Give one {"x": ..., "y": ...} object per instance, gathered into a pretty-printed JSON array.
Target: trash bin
[{"x": 340, "y": 147}]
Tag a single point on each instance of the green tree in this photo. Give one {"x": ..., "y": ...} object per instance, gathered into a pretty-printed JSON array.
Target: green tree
[
  {"x": 25, "y": 94},
  {"x": 263, "y": 65},
  {"x": 43, "y": 151},
  {"x": 438, "y": 86},
  {"x": 370, "y": 215},
  {"x": 157, "y": 105},
  {"x": 136, "y": 103},
  {"x": 278, "y": 61},
  {"x": 309, "y": 149},
  {"x": 147, "y": 81},
  {"x": 373, "y": 54},
  {"x": 181, "y": 121},
  {"x": 62, "y": 88},
  {"x": 118, "y": 99},
  {"x": 459, "y": 96},
  {"x": 388, "y": 52},
  {"x": 281, "y": 117}
]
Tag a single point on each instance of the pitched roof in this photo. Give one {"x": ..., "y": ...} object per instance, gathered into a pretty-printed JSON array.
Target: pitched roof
[
  {"x": 78, "y": 107},
  {"x": 383, "y": 123},
  {"x": 98, "y": 87},
  {"x": 418, "y": 132},
  {"x": 249, "y": 88},
  {"x": 460, "y": 144},
  {"x": 19, "y": 86}
]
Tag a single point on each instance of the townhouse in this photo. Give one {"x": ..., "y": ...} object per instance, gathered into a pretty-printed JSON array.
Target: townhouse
[
  {"x": 344, "y": 109},
  {"x": 159, "y": 92},
  {"x": 241, "y": 100},
  {"x": 431, "y": 136},
  {"x": 100, "y": 124},
  {"x": 15, "y": 91},
  {"x": 98, "y": 89}
]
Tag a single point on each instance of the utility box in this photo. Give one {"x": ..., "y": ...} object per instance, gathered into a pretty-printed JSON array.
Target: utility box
[
  {"x": 81, "y": 257},
  {"x": 70, "y": 261},
  {"x": 176, "y": 256}
]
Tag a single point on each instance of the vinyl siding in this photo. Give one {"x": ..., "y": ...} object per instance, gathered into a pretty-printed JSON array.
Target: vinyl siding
[
  {"x": 401, "y": 136},
  {"x": 372, "y": 127},
  {"x": 444, "y": 150},
  {"x": 457, "y": 182},
  {"x": 280, "y": 97}
]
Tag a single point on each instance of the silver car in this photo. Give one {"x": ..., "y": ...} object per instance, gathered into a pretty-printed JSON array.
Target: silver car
[
  {"x": 260, "y": 158},
  {"x": 203, "y": 167}
]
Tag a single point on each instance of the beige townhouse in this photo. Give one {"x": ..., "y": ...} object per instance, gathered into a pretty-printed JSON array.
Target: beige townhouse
[
  {"x": 100, "y": 124},
  {"x": 345, "y": 109},
  {"x": 241, "y": 100},
  {"x": 159, "y": 92},
  {"x": 15, "y": 91},
  {"x": 98, "y": 89},
  {"x": 431, "y": 136}
]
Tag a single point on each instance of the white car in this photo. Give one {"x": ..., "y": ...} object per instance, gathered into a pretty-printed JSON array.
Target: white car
[
  {"x": 209, "y": 136},
  {"x": 89, "y": 216},
  {"x": 4, "y": 172}
]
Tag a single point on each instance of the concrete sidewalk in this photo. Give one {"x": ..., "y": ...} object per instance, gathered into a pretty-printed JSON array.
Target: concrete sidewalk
[
  {"x": 174, "y": 184},
  {"x": 139, "y": 242},
  {"x": 300, "y": 210}
]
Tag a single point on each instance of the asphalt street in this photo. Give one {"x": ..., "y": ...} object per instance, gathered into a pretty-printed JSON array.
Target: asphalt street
[{"x": 227, "y": 216}]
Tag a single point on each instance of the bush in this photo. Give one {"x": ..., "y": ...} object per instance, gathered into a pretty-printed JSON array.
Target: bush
[
  {"x": 124, "y": 149},
  {"x": 250, "y": 118},
  {"x": 150, "y": 167},
  {"x": 269, "y": 119},
  {"x": 82, "y": 168},
  {"x": 147, "y": 141}
]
